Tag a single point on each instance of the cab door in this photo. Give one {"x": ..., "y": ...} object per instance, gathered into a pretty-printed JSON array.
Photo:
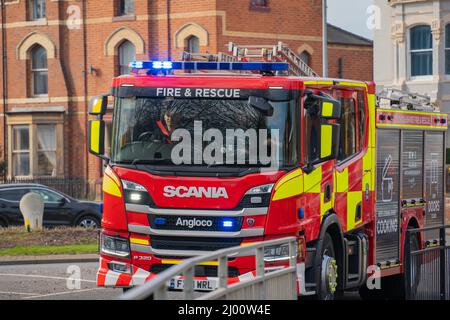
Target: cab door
[{"x": 351, "y": 176}]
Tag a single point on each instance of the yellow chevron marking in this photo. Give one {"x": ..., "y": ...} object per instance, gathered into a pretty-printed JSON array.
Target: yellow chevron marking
[
  {"x": 289, "y": 186},
  {"x": 110, "y": 187},
  {"x": 353, "y": 199},
  {"x": 313, "y": 180},
  {"x": 342, "y": 180}
]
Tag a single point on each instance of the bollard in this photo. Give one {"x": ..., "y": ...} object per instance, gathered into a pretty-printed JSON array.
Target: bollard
[{"x": 32, "y": 209}]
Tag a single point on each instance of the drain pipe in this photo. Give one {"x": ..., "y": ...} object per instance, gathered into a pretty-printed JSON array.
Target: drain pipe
[
  {"x": 4, "y": 80},
  {"x": 86, "y": 94},
  {"x": 169, "y": 44}
]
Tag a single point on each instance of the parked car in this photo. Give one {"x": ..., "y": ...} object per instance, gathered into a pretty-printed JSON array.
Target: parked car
[{"x": 60, "y": 209}]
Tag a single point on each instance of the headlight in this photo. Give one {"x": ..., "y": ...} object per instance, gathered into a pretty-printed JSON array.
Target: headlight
[
  {"x": 133, "y": 186},
  {"x": 276, "y": 253},
  {"x": 135, "y": 193},
  {"x": 114, "y": 246},
  {"x": 264, "y": 189}
]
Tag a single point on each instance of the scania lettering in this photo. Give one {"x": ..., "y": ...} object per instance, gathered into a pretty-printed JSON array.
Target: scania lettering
[
  {"x": 349, "y": 172},
  {"x": 200, "y": 192}
]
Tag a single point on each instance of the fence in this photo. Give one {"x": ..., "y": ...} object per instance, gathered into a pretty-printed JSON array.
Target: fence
[
  {"x": 265, "y": 285},
  {"x": 76, "y": 188},
  {"x": 427, "y": 270}
]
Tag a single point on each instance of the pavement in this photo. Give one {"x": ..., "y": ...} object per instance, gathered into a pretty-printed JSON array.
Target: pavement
[{"x": 63, "y": 258}]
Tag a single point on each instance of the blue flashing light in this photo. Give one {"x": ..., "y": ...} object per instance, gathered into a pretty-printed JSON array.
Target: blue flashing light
[
  {"x": 301, "y": 213},
  {"x": 227, "y": 224},
  {"x": 160, "y": 221},
  {"x": 219, "y": 66}
]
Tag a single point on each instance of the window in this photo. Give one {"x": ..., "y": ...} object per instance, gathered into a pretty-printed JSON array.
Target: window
[
  {"x": 347, "y": 146},
  {"x": 193, "y": 44},
  {"x": 13, "y": 194},
  {"x": 37, "y": 9},
  {"x": 126, "y": 7},
  {"x": 421, "y": 49},
  {"x": 127, "y": 54},
  {"x": 447, "y": 49},
  {"x": 21, "y": 150},
  {"x": 46, "y": 150},
  {"x": 39, "y": 71},
  {"x": 312, "y": 130},
  {"x": 35, "y": 151},
  {"x": 361, "y": 120},
  {"x": 259, "y": 3},
  {"x": 306, "y": 57},
  {"x": 47, "y": 196}
]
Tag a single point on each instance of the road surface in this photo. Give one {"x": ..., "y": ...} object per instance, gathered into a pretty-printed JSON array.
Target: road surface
[{"x": 59, "y": 282}]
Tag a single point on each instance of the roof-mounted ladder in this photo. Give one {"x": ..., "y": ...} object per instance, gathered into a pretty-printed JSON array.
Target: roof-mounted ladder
[{"x": 257, "y": 53}]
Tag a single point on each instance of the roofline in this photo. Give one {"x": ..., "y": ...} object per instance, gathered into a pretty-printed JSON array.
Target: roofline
[{"x": 352, "y": 34}]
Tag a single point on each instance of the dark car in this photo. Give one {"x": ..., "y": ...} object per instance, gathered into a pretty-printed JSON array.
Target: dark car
[{"x": 60, "y": 209}]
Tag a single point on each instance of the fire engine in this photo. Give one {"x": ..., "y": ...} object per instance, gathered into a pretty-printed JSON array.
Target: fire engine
[{"x": 348, "y": 172}]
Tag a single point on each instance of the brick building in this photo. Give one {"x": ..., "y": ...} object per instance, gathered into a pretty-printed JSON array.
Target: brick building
[{"x": 58, "y": 54}]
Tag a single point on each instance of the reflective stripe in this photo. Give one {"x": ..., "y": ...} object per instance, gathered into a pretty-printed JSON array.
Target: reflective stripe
[
  {"x": 342, "y": 180},
  {"x": 312, "y": 181},
  {"x": 289, "y": 186},
  {"x": 110, "y": 187},
  {"x": 206, "y": 263},
  {"x": 353, "y": 199},
  {"x": 326, "y": 140},
  {"x": 139, "y": 241},
  {"x": 327, "y": 109}
]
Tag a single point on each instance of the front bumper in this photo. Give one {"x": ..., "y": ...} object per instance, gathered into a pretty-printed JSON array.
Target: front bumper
[{"x": 139, "y": 276}]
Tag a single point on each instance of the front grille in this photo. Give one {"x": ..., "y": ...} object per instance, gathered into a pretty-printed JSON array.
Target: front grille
[
  {"x": 193, "y": 243},
  {"x": 195, "y": 223},
  {"x": 200, "y": 271}
]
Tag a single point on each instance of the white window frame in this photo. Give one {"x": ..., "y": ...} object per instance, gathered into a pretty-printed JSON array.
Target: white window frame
[
  {"x": 32, "y": 73},
  {"x": 409, "y": 58},
  {"x": 21, "y": 151},
  {"x": 32, "y": 4}
]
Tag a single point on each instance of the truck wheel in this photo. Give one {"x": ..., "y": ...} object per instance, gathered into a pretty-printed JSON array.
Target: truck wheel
[{"x": 328, "y": 270}]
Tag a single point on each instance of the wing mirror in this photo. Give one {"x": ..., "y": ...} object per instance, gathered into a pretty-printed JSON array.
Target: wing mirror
[
  {"x": 96, "y": 137},
  {"x": 98, "y": 105}
]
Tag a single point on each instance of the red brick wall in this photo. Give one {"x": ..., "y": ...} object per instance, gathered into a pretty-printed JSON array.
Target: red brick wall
[
  {"x": 296, "y": 23},
  {"x": 357, "y": 62}
]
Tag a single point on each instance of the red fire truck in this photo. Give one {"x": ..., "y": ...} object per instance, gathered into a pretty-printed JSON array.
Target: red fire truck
[{"x": 347, "y": 178}]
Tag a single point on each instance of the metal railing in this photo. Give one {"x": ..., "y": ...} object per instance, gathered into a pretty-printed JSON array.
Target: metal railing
[
  {"x": 76, "y": 188},
  {"x": 265, "y": 285},
  {"x": 427, "y": 270}
]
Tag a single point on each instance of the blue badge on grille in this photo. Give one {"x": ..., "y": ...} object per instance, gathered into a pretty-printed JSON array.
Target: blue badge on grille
[{"x": 160, "y": 221}]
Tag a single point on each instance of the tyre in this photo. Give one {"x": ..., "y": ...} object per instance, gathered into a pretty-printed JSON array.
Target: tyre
[
  {"x": 88, "y": 222},
  {"x": 327, "y": 284}
]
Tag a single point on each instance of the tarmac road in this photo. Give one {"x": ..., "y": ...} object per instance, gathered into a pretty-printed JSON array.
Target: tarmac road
[{"x": 53, "y": 282}]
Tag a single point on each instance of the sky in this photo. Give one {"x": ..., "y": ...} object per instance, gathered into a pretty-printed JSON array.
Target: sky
[{"x": 350, "y": 15}]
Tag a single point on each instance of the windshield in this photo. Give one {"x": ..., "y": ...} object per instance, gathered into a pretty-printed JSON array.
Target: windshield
[{"x": 205, "y": 132}]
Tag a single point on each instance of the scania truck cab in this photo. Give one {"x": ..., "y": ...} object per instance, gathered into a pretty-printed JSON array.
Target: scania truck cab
[{"x": 203, "y": 161}]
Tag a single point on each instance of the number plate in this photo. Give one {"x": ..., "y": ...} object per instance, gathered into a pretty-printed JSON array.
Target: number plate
[{"x": 199, "y": 285}]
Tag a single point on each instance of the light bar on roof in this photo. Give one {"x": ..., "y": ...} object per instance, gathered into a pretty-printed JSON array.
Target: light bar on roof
[{"x": 198, "y": 65}]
